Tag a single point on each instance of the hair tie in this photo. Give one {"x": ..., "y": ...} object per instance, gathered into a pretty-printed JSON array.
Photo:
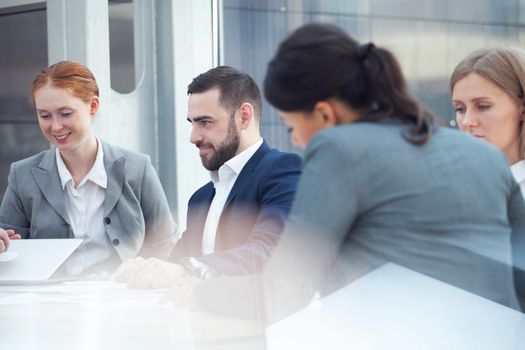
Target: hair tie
[{"x": 363, "y": 50}]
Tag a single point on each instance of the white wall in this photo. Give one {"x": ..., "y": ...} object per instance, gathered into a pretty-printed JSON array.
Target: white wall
[{"x": 146, "y": 119}]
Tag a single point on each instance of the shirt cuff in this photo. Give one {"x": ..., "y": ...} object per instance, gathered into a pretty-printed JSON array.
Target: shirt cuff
[{"x": 198, "y": 268}]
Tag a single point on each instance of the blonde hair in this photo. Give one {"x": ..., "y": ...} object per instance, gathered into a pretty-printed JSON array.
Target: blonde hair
[{"x": 503, "y": 66}]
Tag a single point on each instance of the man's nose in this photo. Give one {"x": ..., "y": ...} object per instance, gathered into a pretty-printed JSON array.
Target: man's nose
[{"x": 195, "y": 136}]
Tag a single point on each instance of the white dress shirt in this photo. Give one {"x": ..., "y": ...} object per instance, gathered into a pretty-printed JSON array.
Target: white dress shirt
[
  {"x": 223, "y": 181},
  {"x": 518, "y": 171},
  {"x": 84, "y": 205}
]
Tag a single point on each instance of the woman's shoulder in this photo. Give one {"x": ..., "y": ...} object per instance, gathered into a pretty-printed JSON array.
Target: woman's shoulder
[
  {"x": 118, "y": 161},
  {"x": 466, "y": 144},
  {"x": 365, "y": 134},
  {"x": 34, "y": 160},
  {"x": 114, "y": 153}
]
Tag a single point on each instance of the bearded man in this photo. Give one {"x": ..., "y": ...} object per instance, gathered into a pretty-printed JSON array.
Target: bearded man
[{"x": 235, "y": 220}]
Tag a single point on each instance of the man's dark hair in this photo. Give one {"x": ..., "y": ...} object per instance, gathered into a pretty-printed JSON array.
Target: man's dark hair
[{"x": 235, "y": 87}]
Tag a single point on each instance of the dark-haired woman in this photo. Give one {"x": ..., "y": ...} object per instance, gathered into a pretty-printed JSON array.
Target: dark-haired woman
[{"x": 381, "y": 182}]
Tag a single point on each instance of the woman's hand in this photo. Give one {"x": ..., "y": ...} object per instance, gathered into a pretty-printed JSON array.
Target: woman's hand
[
  {"x": 12, "y": 234},
  {"x": 5, "y": 236},
  {"x": 4, "y": 241}
]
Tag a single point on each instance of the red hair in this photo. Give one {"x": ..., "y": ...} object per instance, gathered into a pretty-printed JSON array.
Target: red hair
[{"x": 74, "y": 77}]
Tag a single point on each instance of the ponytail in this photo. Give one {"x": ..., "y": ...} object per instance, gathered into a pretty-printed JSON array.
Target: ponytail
[
  {"x": 319, "y": 61},
  {"x": 391, "y": 98}
]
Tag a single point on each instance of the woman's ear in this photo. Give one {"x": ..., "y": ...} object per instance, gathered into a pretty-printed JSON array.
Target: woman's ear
[
  {"x": 326, "y": 112},
  {"x": 335, "y": 112},
  {"x": 95, "y": 104}
]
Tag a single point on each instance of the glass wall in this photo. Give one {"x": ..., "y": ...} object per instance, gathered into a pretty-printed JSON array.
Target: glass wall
[
  {"x": 429, "y": 37},
  {"x": 23, "y": 35},
  {"x": 122, "y": 56}
]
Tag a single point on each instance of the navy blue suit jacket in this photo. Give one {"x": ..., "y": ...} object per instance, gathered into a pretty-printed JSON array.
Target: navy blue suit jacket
[{"x": 253, "y": 216}]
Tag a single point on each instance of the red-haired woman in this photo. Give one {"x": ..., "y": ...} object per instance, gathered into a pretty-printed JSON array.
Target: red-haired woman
[{"x": 84, "y": 187}]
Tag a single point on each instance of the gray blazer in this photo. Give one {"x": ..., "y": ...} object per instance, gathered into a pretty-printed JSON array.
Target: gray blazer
[
  {"x": 136, "y": 213},
  {"x": 449, "y": 209}
]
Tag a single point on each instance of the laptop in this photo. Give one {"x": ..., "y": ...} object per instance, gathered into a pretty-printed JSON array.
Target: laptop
[{"x": 33, "y": 261}]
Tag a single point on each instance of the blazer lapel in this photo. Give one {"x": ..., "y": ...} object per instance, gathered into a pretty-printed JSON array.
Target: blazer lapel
[
  {"x": 115, "y": 163},
  {"x": 247, "y": 171},
  {"x": 199, "y": 213},
  {"x": 48, "y": 180},
  {"x": 204, "y": 202}
]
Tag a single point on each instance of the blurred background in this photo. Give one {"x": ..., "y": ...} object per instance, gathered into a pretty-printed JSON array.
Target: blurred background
[{"x": 144, "y": 53}]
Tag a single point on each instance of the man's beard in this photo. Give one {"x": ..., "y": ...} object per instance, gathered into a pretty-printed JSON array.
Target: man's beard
[{"x": 225, "y": 151}]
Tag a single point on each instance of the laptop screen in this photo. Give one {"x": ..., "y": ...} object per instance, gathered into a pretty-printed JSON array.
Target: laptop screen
[{"x": 34, "y": 259}]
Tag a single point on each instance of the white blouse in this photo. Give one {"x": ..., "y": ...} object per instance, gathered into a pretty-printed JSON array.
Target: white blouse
[
  {"x": 84, "y": 204},
  {"x": 518, "y": 171}
]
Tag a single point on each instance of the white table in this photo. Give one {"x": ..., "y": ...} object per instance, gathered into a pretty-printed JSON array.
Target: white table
[
  {"x": 106, "y": 315},
  {"x": 396, "y": 308},
  {"x": 390, "y": 308}
]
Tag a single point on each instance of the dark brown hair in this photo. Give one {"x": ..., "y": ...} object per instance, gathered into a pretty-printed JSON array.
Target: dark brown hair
[
  {"x": 235, "y": 86},
  {"x": 320, "y": 61}
]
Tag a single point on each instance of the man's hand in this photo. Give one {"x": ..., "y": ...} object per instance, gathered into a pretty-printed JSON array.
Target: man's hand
[{"x": 149, "y": 273}]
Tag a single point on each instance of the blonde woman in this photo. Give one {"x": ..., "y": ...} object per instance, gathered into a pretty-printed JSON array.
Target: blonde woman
[{"x": 488, "y": 96}]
